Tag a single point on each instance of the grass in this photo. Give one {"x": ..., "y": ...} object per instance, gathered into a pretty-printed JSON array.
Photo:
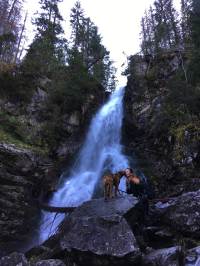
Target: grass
[{"x": 6, "y": 136}]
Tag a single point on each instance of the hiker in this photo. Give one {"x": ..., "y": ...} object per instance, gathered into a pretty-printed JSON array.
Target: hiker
[{"x": 133, "y": 187}]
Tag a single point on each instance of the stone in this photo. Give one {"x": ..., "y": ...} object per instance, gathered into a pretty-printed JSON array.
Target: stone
[
  {"x": 164, "y": 257},
  {"x": 192, "y": 255},
  {"x": 181, "y": 213},
  {"x": 50, "y": 263},
  {"x": 98, "y": 232},
  {"x": 38, "y": 96},
  {"x": 159, "y": 234},
  {"x": 11, "y": 108},
  {"x": 73, "y": 119},
  {"x": 15, "y": 259}
]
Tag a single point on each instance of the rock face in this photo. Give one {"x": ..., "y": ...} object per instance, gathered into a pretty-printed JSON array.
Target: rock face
[
  {"x": 166, "y": 257},
  {"x": 22, "y": 173},
  {"x": 98, "y": 232},
  {"x": 145, "y": 127}
]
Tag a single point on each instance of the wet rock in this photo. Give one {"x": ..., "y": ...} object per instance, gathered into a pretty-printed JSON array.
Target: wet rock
[
  {"x": 166, "y": 257},
  {"x": 50, "y": 263},
  {"x": 98, "y": 232},
  {"x": 192, "y": 255},
  {"x": 15, "y": 259},
  {"x": 182, "y": 213},
  {"x": 159, "y": 234}
]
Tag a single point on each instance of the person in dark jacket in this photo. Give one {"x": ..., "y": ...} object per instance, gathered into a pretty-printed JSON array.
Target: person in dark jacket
[{"x": 133, "y": 187}]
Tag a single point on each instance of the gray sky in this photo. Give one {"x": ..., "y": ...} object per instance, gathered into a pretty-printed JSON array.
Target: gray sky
[{"x": 118, "y": 23}]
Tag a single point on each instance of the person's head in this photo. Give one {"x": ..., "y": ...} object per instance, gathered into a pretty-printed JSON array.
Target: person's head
[{"x": 129, "y": 172}]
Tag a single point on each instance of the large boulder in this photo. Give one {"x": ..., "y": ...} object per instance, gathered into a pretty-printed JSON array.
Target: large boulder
[
  {"x": 15, "y": 259},
  {"x": 98, "y": 232},
  {"x": 50, "y": 263},
  {"x": 192, "y": 255},
  {"x": 181, "y": 213},
  {"x": 166, "y": 257}
]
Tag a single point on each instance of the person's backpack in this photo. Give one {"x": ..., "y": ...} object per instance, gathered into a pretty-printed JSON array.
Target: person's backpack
[{"x": 147, "y": 190}]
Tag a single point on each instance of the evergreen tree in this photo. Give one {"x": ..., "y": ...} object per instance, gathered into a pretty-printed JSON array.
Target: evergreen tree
[
  {"x": 186, "y": 8},
  {"x": 10, "y": 26},
  {"x": 48, "y": 42},
  {"x": 77, "y": 23},
  {"x": 195, "y": 23}
]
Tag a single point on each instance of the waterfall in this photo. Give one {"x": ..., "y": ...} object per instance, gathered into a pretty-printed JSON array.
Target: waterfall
[
  {"x": 197, "y": 262},
  {"x": 101, "y": 153}
]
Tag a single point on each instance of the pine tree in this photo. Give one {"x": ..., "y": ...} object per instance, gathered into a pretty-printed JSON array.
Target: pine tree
[
  {"x": 172, "y": 15},
  {"x": 186, "y": 8},
  {"x": 195, "y": 23},
  {"x": 77, "y": 23},
  {"x": 48, "y": 39}
]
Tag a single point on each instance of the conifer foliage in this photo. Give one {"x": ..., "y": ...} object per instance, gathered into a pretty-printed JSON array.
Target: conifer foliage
[
  {"x": 77, "y": 67},
  {"x": 167, "y": 34},
  {"x": 12, "y": 32},
  {"x": 160, "y": 27}
]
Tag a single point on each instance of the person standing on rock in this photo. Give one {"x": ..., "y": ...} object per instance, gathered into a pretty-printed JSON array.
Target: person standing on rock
[{"x": 133, "y": 187}]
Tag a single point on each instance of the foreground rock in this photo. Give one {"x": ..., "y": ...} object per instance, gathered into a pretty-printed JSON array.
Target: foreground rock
[
  {"x": 192, "y": 255},
  {"x": 166, "y": 257},
  {"x": 50, "y": 263},
  {"x": 98, "y": 232},
  {"x": 15, "y": 259},
  {"x": 181, "y": 214}
]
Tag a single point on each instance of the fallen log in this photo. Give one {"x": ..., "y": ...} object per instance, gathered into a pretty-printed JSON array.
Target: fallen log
[{"x": 48, "y": 208}]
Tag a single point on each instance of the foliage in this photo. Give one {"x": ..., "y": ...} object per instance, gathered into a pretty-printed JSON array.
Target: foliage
[
  {"x": 76, "y": 69},
  {"x": 17, "y": 87}
]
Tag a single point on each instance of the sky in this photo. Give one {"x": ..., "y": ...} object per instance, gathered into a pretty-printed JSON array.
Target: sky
[{"x": 118, "y": 23}]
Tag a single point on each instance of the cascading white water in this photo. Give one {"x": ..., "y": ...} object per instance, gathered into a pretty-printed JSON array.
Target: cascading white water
[
  {"x": 197, "y": 262},
  {"x": 101, "y": 153}
]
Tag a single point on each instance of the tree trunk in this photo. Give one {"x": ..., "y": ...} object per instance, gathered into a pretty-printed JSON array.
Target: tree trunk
[{"x": 20, "y": 38}]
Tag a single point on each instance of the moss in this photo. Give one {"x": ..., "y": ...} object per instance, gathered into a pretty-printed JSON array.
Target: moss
[
  {"x": 9, "y": 137},
  {"x": 26, "y": 237},
  {"x": 32, "y": 258}
]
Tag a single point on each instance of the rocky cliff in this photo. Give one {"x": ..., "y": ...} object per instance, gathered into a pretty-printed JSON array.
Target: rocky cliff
[
  {"x": 175, "y": 164},
  {"x": 26, "y": 164}
]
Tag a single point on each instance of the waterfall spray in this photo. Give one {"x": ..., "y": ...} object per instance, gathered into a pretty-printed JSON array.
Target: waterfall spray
[{"x": 101, "y": 153}]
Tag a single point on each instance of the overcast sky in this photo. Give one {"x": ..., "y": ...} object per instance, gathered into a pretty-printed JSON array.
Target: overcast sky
[{"x": 118, "y": 23}]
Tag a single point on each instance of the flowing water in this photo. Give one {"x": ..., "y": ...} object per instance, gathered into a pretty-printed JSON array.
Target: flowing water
[{"x": 101, "y": 153}]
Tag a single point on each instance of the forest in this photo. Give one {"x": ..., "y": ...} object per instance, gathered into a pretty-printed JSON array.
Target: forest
[
  {"x": 166, "y": 31},
  {"x": 76, "y": 67},
  {"x": 81, "y": 65}
]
